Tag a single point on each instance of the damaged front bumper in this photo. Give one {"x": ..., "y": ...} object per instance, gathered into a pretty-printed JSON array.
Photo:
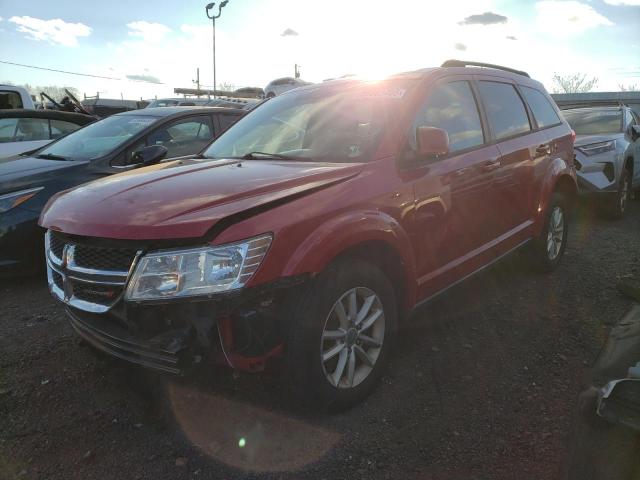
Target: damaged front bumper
[{"x": 240, "y": 328}]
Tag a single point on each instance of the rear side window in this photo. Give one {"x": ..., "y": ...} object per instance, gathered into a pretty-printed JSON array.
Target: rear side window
[
  {"x": 543, "y": 111},
  {"x": 452, "y": 107},
  {"x": 505, "y": 110},
  {"x": 30, "y": 129},
  {"x": 10, "y": 99},
  {"x": 8, "y": 127}
]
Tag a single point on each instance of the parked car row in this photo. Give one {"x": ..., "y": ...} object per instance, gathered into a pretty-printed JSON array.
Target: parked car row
[
  {"x": 310, "y": 229},
  {"x": 116, "y": 144}
]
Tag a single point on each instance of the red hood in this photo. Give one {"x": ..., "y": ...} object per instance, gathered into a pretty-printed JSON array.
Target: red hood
[{"x": 182, "y": 199}]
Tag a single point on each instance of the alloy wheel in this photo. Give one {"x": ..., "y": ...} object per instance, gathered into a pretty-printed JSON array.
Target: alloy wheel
[
  {"x": 555, "y": 232},
  {"x": 352, "y": 337}
]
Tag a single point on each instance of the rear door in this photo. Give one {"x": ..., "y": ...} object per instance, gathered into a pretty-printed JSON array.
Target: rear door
[
  {"x": 453, "y": 194},
  {"x": 511, "y": 129}
]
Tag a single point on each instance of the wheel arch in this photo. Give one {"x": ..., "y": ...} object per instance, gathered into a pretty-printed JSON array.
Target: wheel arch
[{"x": 371, "y": 236}]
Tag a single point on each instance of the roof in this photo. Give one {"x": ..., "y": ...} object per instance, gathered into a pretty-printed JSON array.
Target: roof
[
  {"x": 78, "y": 118},
  {"x": 178, "y": 111}
]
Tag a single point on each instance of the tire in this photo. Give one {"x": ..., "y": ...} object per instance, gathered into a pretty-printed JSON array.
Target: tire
[
  {"x": 547, "y": 250},
  {"x": 317, "y": 329},
  {"x": 618, "y": 203}
]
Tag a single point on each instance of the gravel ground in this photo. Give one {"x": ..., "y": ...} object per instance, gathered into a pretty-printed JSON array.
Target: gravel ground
[{"x": 482, "y": 385}]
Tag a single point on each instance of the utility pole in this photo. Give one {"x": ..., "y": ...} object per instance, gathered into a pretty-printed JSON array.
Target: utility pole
[
  {"x": 197, "y": 80},
  {"x": 213, "y": 19},
  {"x": 296, "y": 70}
]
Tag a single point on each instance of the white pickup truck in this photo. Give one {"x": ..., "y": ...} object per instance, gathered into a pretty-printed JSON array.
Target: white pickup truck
[{"x": 12, "y": 96}]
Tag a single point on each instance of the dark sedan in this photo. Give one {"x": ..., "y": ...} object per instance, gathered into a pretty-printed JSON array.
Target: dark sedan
[{"x": 117, "y": 143}]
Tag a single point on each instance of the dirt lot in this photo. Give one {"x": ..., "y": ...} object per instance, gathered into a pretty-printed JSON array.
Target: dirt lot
[{"x": 482, "y": 386}]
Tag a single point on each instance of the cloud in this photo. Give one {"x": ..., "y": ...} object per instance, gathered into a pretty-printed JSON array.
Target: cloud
[
  {"x": 289, "y": 32},
  {"x": 511, "y": 37},
  {"x": 149, "y": 32},
  {"x": 460, "y": 46},
  {"x": 628, "y": 3},
  {"x": 144, "y": 78},
  {"x": 54, "y": 31},
  {"x": 568, "y": 17},
  {"x": 486, "y": 18}
]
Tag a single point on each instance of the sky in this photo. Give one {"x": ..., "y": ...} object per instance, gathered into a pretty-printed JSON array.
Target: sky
[{"x": 147, "y": 48}]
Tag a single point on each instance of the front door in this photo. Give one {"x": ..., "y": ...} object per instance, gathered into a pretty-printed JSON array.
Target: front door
[{"x": 454, "y": 202}]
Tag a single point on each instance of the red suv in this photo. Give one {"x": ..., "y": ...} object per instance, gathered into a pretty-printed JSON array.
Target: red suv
[{"x": 312, "y": 227}]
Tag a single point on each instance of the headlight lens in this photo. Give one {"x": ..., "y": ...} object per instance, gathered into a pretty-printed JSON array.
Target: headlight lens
[
  {"x": 597, "y": 148},
  {"x": 199, "y": 271},
  {"x": 11, "y": 200}
]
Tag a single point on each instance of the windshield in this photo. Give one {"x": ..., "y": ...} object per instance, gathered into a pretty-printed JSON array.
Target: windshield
[
  {"x": 333, "y": 126},
  {"x": 594, "y": 122},
  {"x": 98, "y": 139}
]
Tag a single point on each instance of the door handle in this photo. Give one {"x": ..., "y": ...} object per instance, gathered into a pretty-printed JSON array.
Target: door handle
[
  {"x": 491, "y": 165},
  {"x": 543, "y": 149}
]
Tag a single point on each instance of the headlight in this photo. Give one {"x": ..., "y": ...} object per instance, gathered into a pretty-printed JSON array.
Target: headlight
[
  {"x": 198, "y": 271},
  {"x": 11, "y": 200},
  {"x": 597, "y": 148}
]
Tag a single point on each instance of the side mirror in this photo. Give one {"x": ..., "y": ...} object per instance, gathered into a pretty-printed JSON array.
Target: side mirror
[
  {"x": 149, "y": 156},
  {"x": 432, "y": 142}
]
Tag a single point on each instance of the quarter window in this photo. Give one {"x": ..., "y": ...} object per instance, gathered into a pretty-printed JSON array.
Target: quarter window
[
  {"x": 505, "y": 110},
  {"x": 7, "y": 129},
  {"x": 31, "y": 129},
  {"x": 452, "y": 107},
  {"x": 543, "y": 111}
]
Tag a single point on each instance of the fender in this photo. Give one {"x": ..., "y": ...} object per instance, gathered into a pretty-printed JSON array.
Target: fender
[
  {"x": 558, "y": 171},
  {"x": 347, "y": 230}
]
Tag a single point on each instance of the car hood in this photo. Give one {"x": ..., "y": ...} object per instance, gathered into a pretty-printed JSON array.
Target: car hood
[
  {"x": 185, "y": 198},
  {"x": 15, "y": 169},
  {"x": 588, "y": 139}
]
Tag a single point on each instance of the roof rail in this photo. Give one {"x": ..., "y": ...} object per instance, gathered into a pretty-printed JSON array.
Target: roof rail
[{"x": 462, "y": 63}]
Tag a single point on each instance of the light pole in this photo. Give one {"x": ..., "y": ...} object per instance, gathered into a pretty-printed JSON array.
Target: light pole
[{"x": 213, "y": 19}]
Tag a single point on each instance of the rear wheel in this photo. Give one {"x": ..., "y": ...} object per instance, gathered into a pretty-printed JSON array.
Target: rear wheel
[
  {"x": 340, "y": 335},
  {"x": 618, "y": 203},
  {"x": 547, "y": 250}
]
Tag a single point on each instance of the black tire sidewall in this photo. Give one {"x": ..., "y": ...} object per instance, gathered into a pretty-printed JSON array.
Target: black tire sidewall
[{"x": 307, "y": 321}]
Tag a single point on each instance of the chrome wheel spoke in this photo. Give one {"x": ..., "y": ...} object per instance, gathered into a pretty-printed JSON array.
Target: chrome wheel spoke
[
  {"x": 367, "y": 340},
  {"x": 351, "y": 368},
  {"x": 353, "y": 305},
  {"x": 370, "y": 320},
  {"x": 362, "y": 355},
  {"x": 366, "y": 306},
  {"x": 332, "y": 352},
  {"x": 334, "y": 334},
  {"x": 342, "y": 362},
  {"x": 341, "y": 314}
]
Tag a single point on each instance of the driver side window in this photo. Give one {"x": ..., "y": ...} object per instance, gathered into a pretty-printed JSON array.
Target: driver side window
[
  {"x": 183, "y": 137},
  {"x": 452, "y": 107}
]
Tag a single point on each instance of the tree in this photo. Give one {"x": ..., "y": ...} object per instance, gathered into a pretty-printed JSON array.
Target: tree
[
  {"x": 629, "y": 88},
  {"x": 576, "y": 83},
  {"x": 226, "y": 87}
]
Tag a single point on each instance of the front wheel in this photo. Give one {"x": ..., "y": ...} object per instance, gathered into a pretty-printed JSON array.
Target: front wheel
[
  {"x": 340, "y": 335},
  {"x": 547, "y": 250}
]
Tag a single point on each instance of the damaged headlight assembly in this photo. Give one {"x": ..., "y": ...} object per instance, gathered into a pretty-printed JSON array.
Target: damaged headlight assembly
[{"x": 194, "y": 272}]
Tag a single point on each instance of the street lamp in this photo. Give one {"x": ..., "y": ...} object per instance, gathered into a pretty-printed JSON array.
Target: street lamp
[{"x": 213, "y": 19}]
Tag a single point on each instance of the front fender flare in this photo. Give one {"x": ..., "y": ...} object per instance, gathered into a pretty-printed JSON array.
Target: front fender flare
[{"x": 346, "y": 231}]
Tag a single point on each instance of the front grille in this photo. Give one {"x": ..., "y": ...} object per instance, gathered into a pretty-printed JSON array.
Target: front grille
[
  {"x": 85, "y": 276},
  {"x": 115, "y": 259},
  {"x": 56, "y": 245}
]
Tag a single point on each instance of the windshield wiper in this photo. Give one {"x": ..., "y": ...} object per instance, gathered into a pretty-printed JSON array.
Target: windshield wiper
[
  {"x": 50, "y": 156},
  {"x": 259, "y": 155}
]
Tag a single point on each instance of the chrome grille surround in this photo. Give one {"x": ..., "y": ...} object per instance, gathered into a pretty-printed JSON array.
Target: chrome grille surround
[{"x": 89, "y": 289}]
